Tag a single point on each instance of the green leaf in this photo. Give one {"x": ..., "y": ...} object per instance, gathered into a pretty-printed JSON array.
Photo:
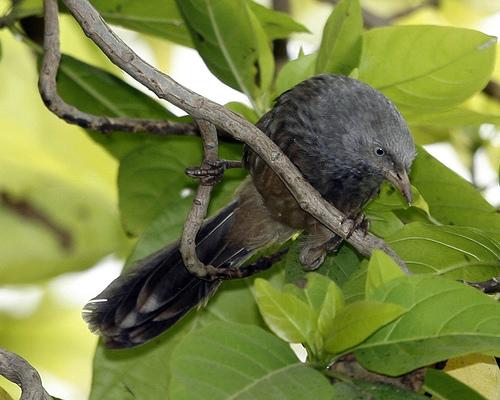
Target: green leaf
[
  {"x": 384, "y": 223},
  {"x": 340, "y": 49},
  {"x": 409, "y": 63},
  {"x": 225, "y": 360},
  {"x": 152, "y": 178},
  {"x": 381, "y": 269},
  {"x": 265, "y": 74},
  {"x": 311, "y": 290},
  {"x": 154, "y": 17},
  {"x": 445, "y": 319},
  {"x": 242, "y": 109},
  {"x": 287, "y": 316},
  {"x": 357, "y": 321},
  {"x": 295, "y": 71},
  {"x": 98, "y": 92},
  {"x": 456, "y": 252},
  {"x": 444, "y": 387},
  {"x": 391, "y": 199},
  {"x": 277, "y": 25},
  {"x": 361, "y": 390},
  {"x": 455, "y": 117},
  {"x": 224, "y": 35},
  {"x": 451, "y": 199},
  {"x": 354, "y": 287},
  {"x": 333, "y": 302}
]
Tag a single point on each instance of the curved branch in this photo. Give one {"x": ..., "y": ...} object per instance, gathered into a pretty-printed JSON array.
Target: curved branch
[
  {"x": 202, "y": 108},
  {"x": 16, "y": 369},
  {"x": 47, "y": 86}
]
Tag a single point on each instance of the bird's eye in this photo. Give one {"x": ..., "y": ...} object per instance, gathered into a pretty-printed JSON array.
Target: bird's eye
[{"x": 379, "y": 151}]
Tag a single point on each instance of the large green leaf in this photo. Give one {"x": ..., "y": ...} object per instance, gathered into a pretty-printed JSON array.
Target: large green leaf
[
  {"x": 356, "y": 321},
  {"x": 427, "y": 68},
  {"x": 154, "y": 17},
  {"x": 381, "y": 270},
  {"x": 454, "y": 117},
  {"x": 234, "y": 361},
  {"x": 445, "y": 319},
  {"x": 451, "y": 199},
  {"x": 340, "y": 49},
  {"x": 152, "y": 178},
  {"x": 98, "y": 92},
  {"x": 226, "y": 39},
  {"x": 456, "y": 252},
  {"x": 287, "y": 316}
]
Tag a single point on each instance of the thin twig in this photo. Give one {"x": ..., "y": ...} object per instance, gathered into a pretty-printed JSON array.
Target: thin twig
[
  {"x": 17, "y": 370},
  {"x": 199, "y": 208},
  {"x": 48, "y": 89},
  {"x": 202, "y": 108}
]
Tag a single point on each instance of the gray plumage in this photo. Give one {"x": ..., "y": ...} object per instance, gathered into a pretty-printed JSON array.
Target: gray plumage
[{"x": 345, "y": 138}]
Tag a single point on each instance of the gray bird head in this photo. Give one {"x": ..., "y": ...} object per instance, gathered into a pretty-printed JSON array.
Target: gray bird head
[{"x": 357, "y": 129}]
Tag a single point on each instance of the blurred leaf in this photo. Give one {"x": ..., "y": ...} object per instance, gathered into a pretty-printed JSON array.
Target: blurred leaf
[
  {"x": 357, "y": 321},
  {"x": 277, "y": 25},
  {"x": 445, "y": 319},
  {"x": 445, "y": 387},
  {"x": 340, "y": 49},
  {"x": 53, "y": 338},
  {"x": 225, "y": 37},
  {"x": 451, "y": 199},
  {"x": 154, "y": 17},
  {"x": 287, "y": 316},
  {"x": 98, "y": 92},
  {"x": 295, "y": 71},
  {"x": 152, "y": 178},
  {"x": 360, "y": 390},
  {"x": 455, "y": 117},
  {"x": 407, "y": 63},
  {"x": 381, "y": 270},
  {"x": 241, "y": 362},
  {"x": 456, "y": 252},
  {"x": 338, "y": 267},
  {"x": 478, "y": 371}
]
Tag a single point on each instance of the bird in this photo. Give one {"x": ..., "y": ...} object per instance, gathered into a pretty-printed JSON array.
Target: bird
[{"x": 344, "y": 136}]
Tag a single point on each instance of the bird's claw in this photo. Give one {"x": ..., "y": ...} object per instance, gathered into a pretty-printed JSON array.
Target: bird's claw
[
  {"x": 359, "y": 221},
  {"x": 311, "y": 258},
  {"x": 211, "y": 172}
]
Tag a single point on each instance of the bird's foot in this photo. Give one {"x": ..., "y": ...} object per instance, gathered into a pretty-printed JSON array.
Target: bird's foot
[
  {"x": 311, "y": 258},
  {"x": 359, "y": 221},
  {"x": 211, "y": 172}
]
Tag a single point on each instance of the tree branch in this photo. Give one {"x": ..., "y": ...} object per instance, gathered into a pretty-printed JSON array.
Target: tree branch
[
  {"x": 48, "y": 89},
  {"x": 202, "y": 108},
  {"x": 17, "y": 370}
]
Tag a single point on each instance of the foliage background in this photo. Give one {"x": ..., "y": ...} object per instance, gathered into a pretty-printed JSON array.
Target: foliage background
[{"x": 61, "y": 170}]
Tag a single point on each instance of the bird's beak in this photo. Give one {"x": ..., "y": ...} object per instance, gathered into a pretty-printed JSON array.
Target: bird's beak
[{"x": 401, "y": 182}]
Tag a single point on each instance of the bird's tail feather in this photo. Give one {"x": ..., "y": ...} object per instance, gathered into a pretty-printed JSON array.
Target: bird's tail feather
[{"x": 158, "y": 291}]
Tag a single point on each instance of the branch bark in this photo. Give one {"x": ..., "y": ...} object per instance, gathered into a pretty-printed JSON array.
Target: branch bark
[
  {"x": 48, "y": 90},
  {"x": 17, "y": 370},
  {"x": 202, "y": 108}
]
